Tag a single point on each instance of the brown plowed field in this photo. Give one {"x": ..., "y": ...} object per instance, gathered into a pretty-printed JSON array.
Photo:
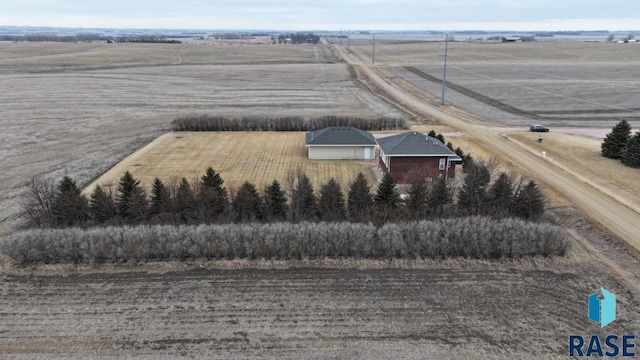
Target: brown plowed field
[
  {"x": 552, "y": 82},
  {"x": 469, "y": 313}
]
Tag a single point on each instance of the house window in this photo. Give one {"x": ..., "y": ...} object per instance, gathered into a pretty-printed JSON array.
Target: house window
[{"x": 442, "y": 164}]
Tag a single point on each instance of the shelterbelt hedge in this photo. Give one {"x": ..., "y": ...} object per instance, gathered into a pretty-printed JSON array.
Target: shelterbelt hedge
[{"x": 473, "y": 237}]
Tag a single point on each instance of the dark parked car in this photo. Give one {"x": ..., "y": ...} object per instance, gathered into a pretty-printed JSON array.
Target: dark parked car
[{"x": 539, "y": 128}]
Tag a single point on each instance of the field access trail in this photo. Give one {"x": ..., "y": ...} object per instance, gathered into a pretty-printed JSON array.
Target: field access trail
[{"x": 618, "y": 218}]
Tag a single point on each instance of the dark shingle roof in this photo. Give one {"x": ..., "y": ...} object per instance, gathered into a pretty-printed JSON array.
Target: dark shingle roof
[
  {"x": 340, "y": 135},
  {"x": 415, "y": 143}
]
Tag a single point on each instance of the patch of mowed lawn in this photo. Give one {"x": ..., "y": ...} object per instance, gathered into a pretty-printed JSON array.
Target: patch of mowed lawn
[{"x": 257, "y": 157}]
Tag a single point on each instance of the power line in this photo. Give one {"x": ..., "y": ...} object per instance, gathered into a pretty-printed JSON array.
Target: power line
[{"x": 373, "y": 52}]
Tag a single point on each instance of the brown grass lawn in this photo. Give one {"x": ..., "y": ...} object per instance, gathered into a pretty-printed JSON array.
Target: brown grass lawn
[
  {"x": 258, "y": 157},
  {"x": 580, "y": 155},
  {"x": 261, "y": 157}
]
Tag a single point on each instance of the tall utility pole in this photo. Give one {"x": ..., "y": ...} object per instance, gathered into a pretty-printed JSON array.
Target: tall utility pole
[
  {"x": 444, "y": 75},
  {"x": 373, "y": 52}
]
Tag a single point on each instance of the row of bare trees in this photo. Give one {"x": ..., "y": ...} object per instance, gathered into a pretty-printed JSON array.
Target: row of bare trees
[
  {"x": 474, "y": 237},
  {"x": 291, "y": 123},
  {"x": 88, "y": 38}
]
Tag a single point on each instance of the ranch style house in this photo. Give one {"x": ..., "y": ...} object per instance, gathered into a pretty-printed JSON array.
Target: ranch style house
[{"x": 413, "y": 154}]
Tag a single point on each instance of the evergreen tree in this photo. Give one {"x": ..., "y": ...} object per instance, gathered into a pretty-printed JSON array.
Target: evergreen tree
[
  {"x": 360, "y": 202},
  {"x": 467, "y": 162},
  {"x": 440, "y": 137},
  {"x": 460, "y": 153},
  {"x": 185, "y": 202},
  {"x": 213, "y": 197},
  {"x": 70, "y": 207},
  {"x": 303, "y": 200},
  {"x": 386, "y": 194},
  {"x": 439, "y": 197},
  {"x": 472, "y": 196},
  {"x": 450, "y": 145},
  {"x": 211, "y": 179},
  {"x": 247, "y": 203},
  {"x": 466, "y": 159},
  {"x": 529, "y": 202},
  {"x": 417, "y": 203},
  {"x": 432, "y": 133},
  {"x": 331, "y": 205},
  {"x": 127, "y": 186},
  {"x": 101, "y": 206},
  {"x": 160, "y": 198},
  {"x": 275, "y": 203},
  {"x": 616, "y": 141},
  {"x": 138, "y": 207},
  {"x": 386, "y": 198},
  {"x": 631, "y": 154},
  {"x": 500, "y": 196}
]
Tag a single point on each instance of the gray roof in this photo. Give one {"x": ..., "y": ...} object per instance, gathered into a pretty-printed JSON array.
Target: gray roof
[
  {"x": 415, "y": 143},
  {"x": 340, "y": 135}
]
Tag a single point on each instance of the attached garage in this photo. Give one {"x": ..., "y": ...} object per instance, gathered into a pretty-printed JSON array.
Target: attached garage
[{"x": 340, "y": 143}]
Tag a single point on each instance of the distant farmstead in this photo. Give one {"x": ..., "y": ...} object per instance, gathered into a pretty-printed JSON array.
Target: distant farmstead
[
  {"x": 340, "y": 142},
  {"x": 512, "y": 39},
  {"x": 413, "y": 154}
]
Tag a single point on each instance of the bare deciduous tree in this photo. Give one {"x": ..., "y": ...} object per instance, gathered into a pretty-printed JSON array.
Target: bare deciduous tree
[{"x": 39, "y": 201}]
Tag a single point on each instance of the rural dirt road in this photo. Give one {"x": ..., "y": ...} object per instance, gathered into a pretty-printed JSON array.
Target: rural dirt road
[{"x": 621, "y": 220}]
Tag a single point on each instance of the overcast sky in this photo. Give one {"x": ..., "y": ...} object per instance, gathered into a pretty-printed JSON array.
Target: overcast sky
[{"x": 326, "y": 14}]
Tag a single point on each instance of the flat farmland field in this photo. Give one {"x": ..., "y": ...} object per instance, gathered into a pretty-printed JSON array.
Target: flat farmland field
[
  {"x": 82, "y": 119},
  {"x": 56, "y": 57},
  {"x": 457, "y": 310},
  {"x": 554, "y": 83},
  {"x": 60, "y": 119},
  {"x": 258, "y": 157}
]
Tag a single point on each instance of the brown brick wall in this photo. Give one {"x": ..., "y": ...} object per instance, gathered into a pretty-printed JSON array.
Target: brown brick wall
[{"x": 405, "y": 169}]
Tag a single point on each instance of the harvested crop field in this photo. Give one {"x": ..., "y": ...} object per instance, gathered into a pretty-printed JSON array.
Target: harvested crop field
[
  {"x": 56, "y": 57},
  {"x": 258, "y": 157},
  {"x": 523, "y": 310},
  {"x": 554, "y": 83},
  {"x": 61, "y": 119}
]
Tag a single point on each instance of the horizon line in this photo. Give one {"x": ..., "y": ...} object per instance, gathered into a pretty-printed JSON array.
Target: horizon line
[{"x": 312, "y": 30}]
